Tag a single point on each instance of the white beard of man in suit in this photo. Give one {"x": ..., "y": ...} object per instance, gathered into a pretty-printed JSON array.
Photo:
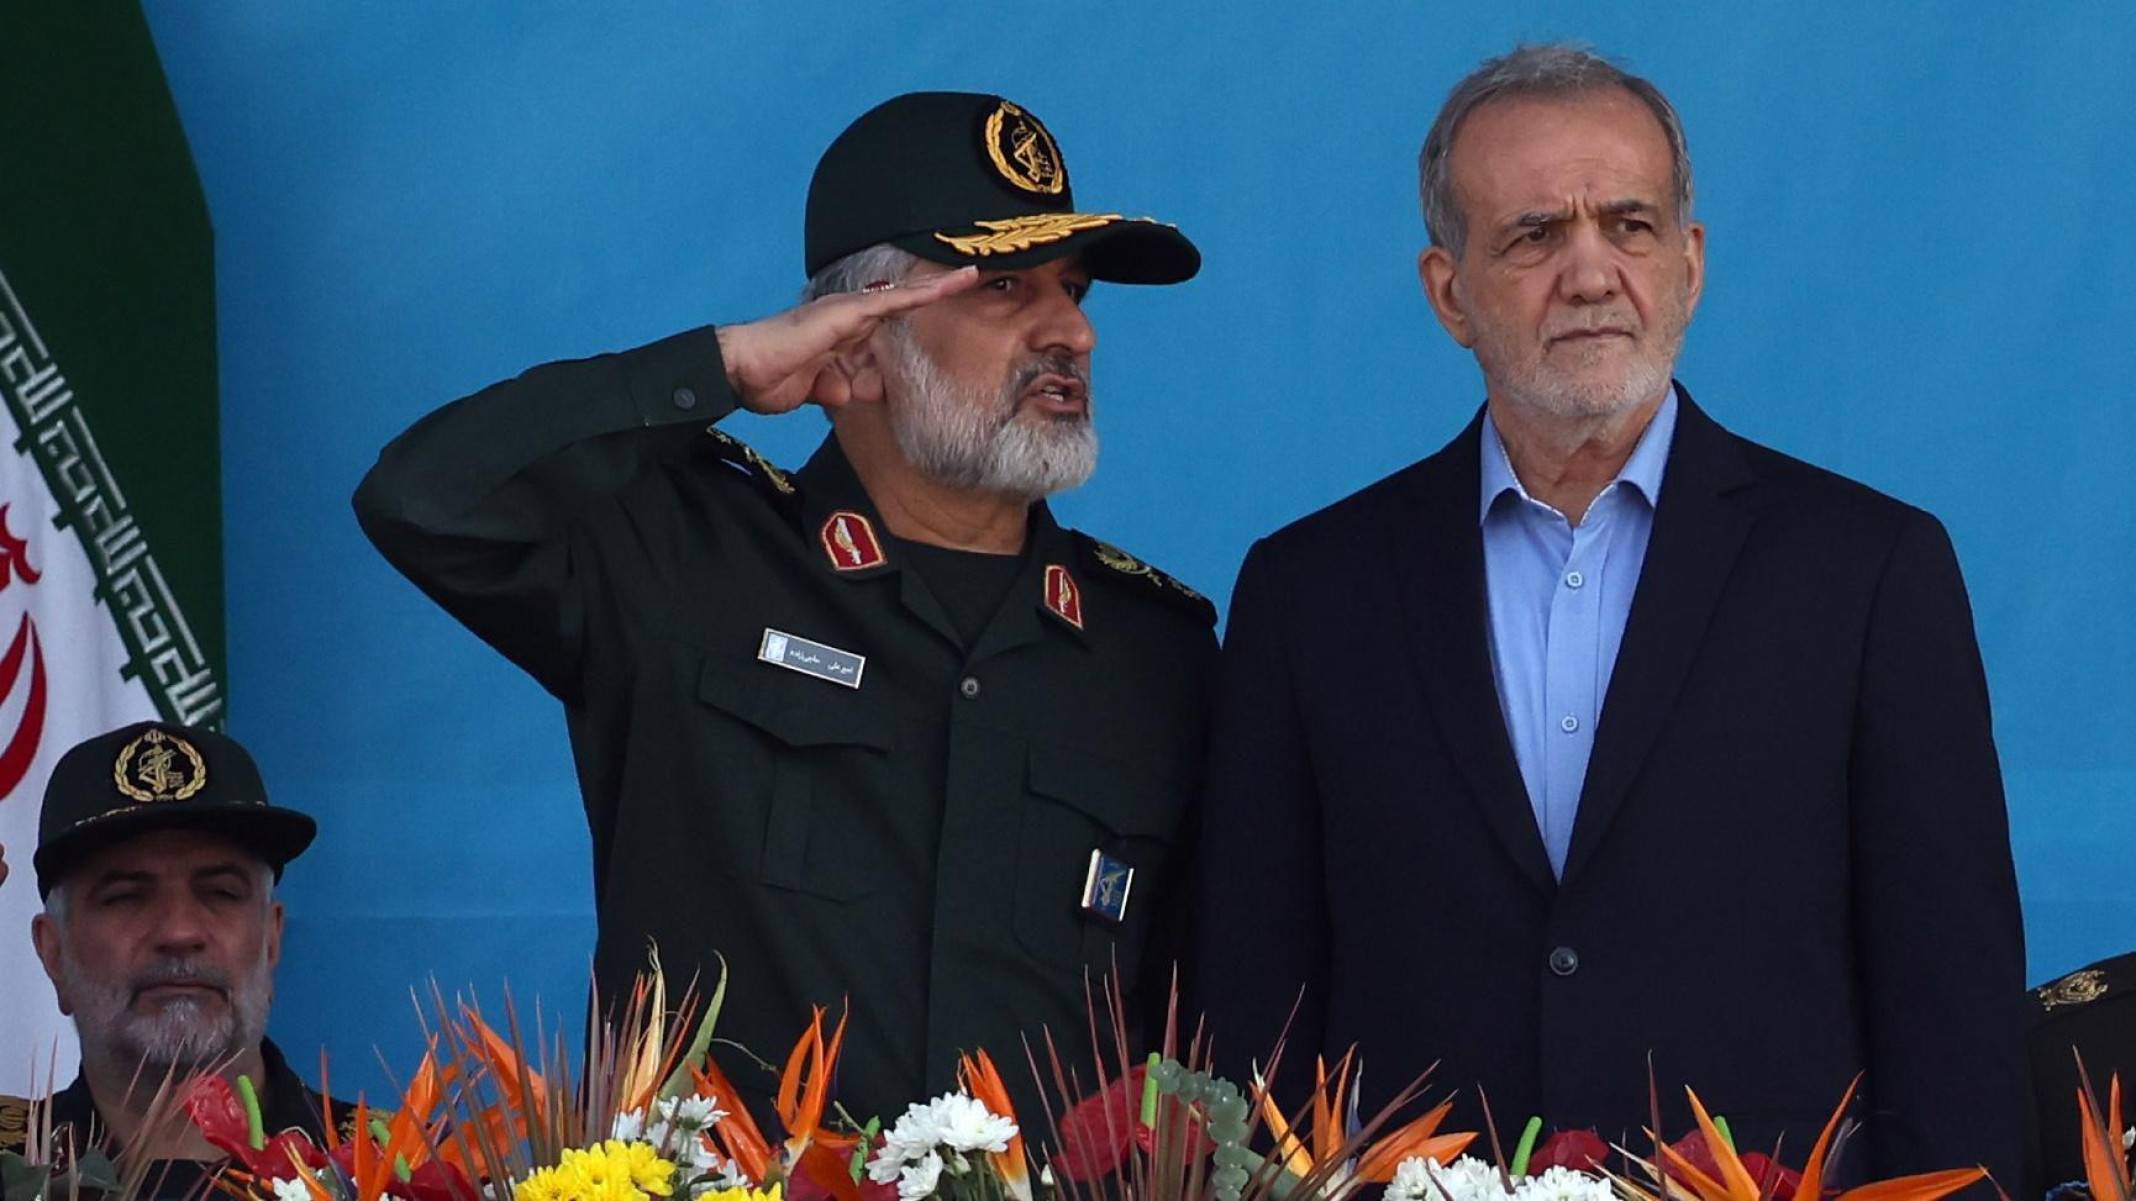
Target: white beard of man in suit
[{"x": 1571, "y": 267}]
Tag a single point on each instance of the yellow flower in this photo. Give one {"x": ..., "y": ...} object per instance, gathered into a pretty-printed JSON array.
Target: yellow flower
[
  {"x": 541, "y": 1186},
  {"x": 642, "y": 1165}
]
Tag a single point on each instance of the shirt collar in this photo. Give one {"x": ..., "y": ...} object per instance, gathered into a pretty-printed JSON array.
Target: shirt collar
[{"x": 1642, "y": 470}]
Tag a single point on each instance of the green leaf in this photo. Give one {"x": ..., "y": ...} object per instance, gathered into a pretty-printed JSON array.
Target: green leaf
[
  {"x": 21, "y": 1178},
  {"x": 678, "y": 1081}
]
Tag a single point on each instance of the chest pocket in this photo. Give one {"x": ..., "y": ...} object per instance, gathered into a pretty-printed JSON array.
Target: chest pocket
[
  {"x": 829, "y": 752},
  {"x": 1079, "y": 803}
]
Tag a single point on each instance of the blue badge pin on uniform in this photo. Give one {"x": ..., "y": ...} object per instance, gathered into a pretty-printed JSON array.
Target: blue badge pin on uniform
[{"x": 1105, "y": 887}]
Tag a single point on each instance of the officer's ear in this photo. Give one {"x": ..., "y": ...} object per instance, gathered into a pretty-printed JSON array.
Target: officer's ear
[{"x": 44, "y": 934}]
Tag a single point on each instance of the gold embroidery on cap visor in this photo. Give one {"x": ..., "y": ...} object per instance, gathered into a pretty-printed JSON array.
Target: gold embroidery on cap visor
[
  {"x": 1013, "y": 235},
  {"x": 1024, "y": 153},
  {"x": 159, "y": 767}
]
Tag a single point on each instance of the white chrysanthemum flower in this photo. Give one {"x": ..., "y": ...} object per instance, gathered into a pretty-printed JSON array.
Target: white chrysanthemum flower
[
  {"x": 291, "y": 1190},
  {"x": 916, "y": 1132},
  {"x": 695, "y": 1113},
  {"x": 966, "y": 1124},
  {"x": 1412, "y": 1182},
  {"x": 1466, "y": 1179},
  {"x": 629, "y": 1127},
  {"x": 1563, "y": 1184},
  {"x": 2128, "y": 1139},
  {"x": 917, "y": 1181}
]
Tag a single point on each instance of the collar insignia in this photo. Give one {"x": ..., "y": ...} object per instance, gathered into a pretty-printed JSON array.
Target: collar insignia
[
  {"x": 1023, "y": 152},
  {"x": 850, "y": 541},
  {"x": 1063, "y": 599},
  {"x": 159, "y": 767}
]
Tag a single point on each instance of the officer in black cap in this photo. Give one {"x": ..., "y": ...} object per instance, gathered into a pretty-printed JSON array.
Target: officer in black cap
[
  {"x": 157, "y": 852},
  {"x": 878, "y": 729}
]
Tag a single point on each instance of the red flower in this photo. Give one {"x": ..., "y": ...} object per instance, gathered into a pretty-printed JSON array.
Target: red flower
[
  {"x": 1773, "y": 1179},
  {"x": 220, "y": 1117},
  {"x": 1096, "y": 1135},
  {"x": 1574, "y": 1150}
]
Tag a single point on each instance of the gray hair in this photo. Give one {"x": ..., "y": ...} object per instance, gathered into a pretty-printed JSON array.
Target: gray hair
[
  {"x": 1556, "y": 70},
  {"x": 859, "y": 269}
]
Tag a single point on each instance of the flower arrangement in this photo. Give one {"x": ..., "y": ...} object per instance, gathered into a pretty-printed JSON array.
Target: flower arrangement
[{"x": 648, "y": 1115}]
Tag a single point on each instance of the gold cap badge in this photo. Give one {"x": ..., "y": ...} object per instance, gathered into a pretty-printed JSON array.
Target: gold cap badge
[
  {"x": 1024, "y": 153},
  {"x": 159, "y": 767}
]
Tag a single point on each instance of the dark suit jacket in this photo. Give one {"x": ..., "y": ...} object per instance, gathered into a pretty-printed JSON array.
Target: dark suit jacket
[{"x": 1791, "y": 862}]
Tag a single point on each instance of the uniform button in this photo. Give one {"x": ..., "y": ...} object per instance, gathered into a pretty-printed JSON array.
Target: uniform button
[
  {"x": 1564, "y": 961},
  {"x": 685, "y": 398},
  {"x": 1574, "y": 579},
  {"x": 1569, "y": 724},
  {"x": 969, "y": 688}
]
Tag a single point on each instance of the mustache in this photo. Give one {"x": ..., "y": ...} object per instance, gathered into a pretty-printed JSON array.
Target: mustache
[
  {"x": 1060, "y": 365},
  {"x": 1613, "y": 321},
  {"x": 177, "y": 971}
]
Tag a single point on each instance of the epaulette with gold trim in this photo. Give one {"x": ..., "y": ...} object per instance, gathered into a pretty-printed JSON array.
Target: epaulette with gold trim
[
  {"x": 1119, "y": 562},
  {"x": 15, "y": 1124},
  {"x": 770, "y": 480}
]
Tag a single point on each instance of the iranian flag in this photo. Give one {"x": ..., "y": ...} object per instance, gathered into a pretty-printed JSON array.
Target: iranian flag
[{"x": 110, "y": 507}]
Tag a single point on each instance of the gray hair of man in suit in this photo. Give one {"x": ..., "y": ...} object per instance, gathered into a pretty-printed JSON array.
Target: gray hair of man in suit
[{"x": 1555, "y": 70}]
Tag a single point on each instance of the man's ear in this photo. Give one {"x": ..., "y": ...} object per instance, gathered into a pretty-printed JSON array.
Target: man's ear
[
  {"x": 1436, "y": 270},
  {"x": 44, "y": 935},
  {"x": 274, "y": 933},
  {"x": 853, "y": 376},
  {"x": 1694, "y": 265}
]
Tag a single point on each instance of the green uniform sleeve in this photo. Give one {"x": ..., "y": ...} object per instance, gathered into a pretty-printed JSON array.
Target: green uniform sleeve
[{"x": 478, "y": 502}]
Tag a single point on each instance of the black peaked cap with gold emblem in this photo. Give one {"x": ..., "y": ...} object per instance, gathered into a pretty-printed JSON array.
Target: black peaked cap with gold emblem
[
  {"x": 154, "y": 775},
  {"x": 973, "y": 180}
]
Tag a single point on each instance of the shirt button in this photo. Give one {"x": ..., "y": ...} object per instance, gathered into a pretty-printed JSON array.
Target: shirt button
[
  {"x": 1569, "y": 724},
  {"x": 685, "y": 398},
  {"x": 969, "y": 688},
  {"x": 1564, "y": 961},
  {"x": 1574, "y": 579}
]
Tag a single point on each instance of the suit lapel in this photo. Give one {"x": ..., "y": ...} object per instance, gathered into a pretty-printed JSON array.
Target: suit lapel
[
  {"x": 1438, "y": 552},
  {"x": 1698, "y": 530}
]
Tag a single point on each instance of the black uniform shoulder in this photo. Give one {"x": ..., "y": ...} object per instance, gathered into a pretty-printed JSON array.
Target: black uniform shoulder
[
  {"x": 14, "y": 1124},
  {"x": 776, "y": 485},
  {"x": 1109, "y": 562},
  {"x": 2078, "y": 996}
]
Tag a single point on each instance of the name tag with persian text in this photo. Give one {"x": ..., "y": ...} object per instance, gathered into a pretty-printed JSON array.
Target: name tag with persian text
[{"x": 795, "y": 653}]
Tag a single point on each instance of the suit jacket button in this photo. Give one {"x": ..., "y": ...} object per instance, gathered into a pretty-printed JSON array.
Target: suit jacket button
[
  {"x": 685, "y": 398},
  {"x": 1564, "y": 961},
  {"x": 969, "y": 688}
]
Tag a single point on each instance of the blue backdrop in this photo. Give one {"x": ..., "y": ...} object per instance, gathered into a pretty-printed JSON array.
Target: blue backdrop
[{"x": 1920, "y": 274}]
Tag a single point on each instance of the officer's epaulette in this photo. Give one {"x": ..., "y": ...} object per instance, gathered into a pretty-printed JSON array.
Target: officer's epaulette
[
  {"x": 14, "y": 1124},
  {"x": 772, "y": 482},
  {"x": 2085, "y": 985},
  {"x": 1118, "y": 563}
]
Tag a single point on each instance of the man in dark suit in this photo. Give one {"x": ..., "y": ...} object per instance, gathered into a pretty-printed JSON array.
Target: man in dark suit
[{"x": 1604, "y": 734}]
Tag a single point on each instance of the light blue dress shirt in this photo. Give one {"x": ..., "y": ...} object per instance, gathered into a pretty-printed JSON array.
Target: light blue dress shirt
[{"x": 1559, "y": 596}]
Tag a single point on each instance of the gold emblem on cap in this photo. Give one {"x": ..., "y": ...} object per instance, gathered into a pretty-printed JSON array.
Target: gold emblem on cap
[
  {"x": 159, "y": 767},
  {"x": 1015, "y": 234},
  {"x": 1023, "y": 151}
]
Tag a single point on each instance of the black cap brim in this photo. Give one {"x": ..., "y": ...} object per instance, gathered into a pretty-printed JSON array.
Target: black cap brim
[
  {"x": 1121, "y": 250},
  {"x": 275, "y": 835}
]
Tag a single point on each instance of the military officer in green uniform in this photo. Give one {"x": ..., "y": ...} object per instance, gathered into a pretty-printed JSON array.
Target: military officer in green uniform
[
  {"x": 157, "y": 854},
  {"x": 879, "y": 729}
]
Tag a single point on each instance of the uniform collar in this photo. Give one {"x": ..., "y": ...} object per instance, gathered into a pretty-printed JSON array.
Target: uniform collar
[
  {"x": 285, "y": 1102},
  {"x": 851, "y": 541}
]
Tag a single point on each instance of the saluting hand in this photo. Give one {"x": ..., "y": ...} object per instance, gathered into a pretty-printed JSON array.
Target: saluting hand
[{"x": 781, "y": 362}]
